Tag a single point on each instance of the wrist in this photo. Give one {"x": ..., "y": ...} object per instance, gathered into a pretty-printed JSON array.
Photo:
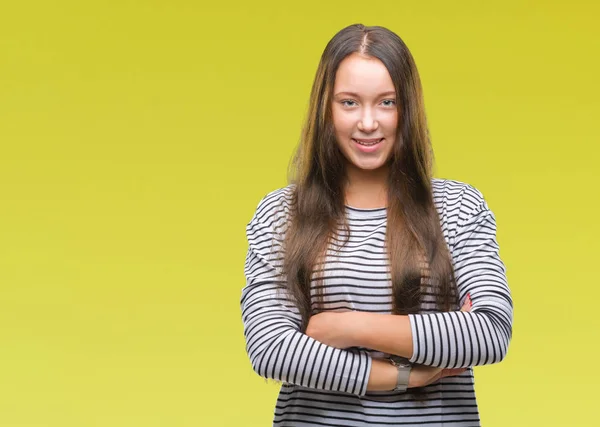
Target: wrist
[
  {"x": 382, "y": 377},
  {"x": 411, "y": 379},
  {"x": 404, "y": 368}
]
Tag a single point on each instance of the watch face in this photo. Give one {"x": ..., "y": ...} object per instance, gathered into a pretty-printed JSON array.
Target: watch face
[{"x": 400, "y": 361}]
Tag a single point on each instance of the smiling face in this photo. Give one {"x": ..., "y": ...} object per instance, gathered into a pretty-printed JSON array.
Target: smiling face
[{"x": 365, "y": 115}]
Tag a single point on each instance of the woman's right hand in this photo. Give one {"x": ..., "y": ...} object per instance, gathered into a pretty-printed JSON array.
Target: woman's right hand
[{"x": 421, "y": 375}]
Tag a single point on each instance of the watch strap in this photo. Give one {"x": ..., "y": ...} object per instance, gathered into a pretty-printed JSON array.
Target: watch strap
[{"x": 403, "y": 367}]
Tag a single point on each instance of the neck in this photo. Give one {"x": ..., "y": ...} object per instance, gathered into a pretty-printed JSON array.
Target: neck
[{"x": 366, "y": 189}]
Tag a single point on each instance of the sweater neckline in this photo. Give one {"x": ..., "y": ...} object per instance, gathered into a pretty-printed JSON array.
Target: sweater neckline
[{"x": 354, "y": 212}]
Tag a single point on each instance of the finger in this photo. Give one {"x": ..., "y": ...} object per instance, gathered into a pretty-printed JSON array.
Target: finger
[
  {"x": 448, "y": 372},
  {"x": 433, "y": 379},
  {"x": 452, "y": 372},
  {"x": 468, "y": 304}
]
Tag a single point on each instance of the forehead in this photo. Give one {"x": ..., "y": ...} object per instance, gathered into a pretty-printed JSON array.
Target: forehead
[{"x": 363, "y": 75}]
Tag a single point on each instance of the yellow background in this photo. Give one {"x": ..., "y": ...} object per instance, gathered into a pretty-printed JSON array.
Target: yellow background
[{"x": 137, "y": 137}]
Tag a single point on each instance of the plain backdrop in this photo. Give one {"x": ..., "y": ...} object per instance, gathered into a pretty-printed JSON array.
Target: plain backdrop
[{"x": 137, "y": 138}]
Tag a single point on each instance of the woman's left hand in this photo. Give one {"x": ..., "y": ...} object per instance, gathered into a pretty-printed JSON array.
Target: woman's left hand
[{"x": 331, "y": 328}]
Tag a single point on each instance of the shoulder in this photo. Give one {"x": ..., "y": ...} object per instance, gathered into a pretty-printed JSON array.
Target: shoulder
[
  {"x": 275, "y": 203},
  {"x": 457, "y": 200},
  {"x": 272, "y": 212},
  {"x": 451, "y": 188},
  {"x": 266, "y": 229}
]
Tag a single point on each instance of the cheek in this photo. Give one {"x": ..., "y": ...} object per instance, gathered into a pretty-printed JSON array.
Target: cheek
[
  {"x": 342, "y": 123},
  {"x": 340, "y": 129},
  {"x": 391, "y": 122}
]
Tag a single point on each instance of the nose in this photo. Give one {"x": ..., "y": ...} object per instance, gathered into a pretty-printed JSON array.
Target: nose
[{"x": 367, "y": 122}]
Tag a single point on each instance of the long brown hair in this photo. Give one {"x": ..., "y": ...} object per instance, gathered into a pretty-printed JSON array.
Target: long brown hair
[{"x": 419, "y": 259}]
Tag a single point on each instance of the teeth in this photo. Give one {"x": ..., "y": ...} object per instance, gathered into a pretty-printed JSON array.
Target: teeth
[{"x": 368, "y": 144}]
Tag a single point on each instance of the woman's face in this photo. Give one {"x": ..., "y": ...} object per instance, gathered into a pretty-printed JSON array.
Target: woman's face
[{"x": 364, "y": 108}]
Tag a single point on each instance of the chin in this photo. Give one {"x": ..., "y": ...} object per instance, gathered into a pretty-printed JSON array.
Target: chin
[{"x": 368, "y": 166}]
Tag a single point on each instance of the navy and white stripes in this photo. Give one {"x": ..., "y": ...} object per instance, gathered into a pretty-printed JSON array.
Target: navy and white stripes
[
  {"x": 323, "y": 385},
  {"x": 276, "y": 348},
  {"x": 480, "y": 337}
]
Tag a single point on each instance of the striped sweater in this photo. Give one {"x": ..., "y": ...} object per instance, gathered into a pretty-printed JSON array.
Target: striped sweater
[{"x": 326, "y": 386}]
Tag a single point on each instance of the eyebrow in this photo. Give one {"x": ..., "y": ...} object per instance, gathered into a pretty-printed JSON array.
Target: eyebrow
[{"x": 391, "y": 92}]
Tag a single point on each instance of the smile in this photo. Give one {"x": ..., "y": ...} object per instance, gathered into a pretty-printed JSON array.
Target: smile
[{"x": 367, "y": 142}]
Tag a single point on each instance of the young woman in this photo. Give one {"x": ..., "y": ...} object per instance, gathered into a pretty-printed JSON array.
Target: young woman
[{"x": 360, "y": 273}]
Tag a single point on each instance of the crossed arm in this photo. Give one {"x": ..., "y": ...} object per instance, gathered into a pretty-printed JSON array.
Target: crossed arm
[{"x": 319, "y": 358}]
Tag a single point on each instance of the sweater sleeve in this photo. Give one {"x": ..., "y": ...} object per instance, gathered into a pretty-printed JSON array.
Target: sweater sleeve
[
  {"x": 276, "y": 347},
  {"x": 481, "y": 336}
]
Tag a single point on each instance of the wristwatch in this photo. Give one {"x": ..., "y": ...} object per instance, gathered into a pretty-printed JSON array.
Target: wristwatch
[{"x": 403, "y": 366}]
